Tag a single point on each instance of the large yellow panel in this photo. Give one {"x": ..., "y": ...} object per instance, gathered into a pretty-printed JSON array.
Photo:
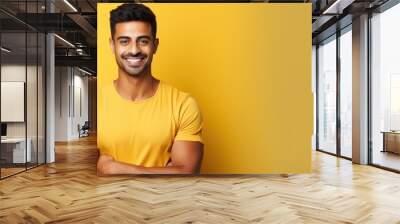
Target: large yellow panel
[{"x": 248, "y": 65}]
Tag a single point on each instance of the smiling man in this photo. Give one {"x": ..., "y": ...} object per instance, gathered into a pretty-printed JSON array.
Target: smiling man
[{"x": 148, "y": 126}]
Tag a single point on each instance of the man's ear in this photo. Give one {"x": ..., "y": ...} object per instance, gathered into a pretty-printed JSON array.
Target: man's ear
[
  {"x": 112, "y": 45},
  {"x": 156, "y": 42}
]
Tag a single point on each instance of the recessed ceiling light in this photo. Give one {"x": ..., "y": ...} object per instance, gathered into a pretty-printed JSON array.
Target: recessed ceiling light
[
  {"x": 84, "y": 71},
  {"x": 70, "y": 5},
  {"x": 64, "y": 40},
  {"x": 338, "y": 6},
  {"x": 5, "y": 50}
]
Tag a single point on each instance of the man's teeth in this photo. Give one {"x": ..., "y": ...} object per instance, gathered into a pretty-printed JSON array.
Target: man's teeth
[{"x": 133, "y": 59}]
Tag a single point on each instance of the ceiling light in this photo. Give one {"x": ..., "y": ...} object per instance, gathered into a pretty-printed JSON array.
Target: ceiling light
[
  {"x": 70, "y": 5},
  {"x": 5, "y": 50},
  {"x": 65, "y": 41},
  {"x": 84, "y": 71},
  {"x": 337, "y": 7}
]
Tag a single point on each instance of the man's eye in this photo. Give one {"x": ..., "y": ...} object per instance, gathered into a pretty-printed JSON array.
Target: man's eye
[
  {"x": 143, "y": 42},
  {"x": 123, "y": 42}
]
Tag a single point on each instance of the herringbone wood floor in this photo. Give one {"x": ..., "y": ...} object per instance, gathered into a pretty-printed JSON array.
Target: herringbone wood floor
[{"x": 70, "y": 192}]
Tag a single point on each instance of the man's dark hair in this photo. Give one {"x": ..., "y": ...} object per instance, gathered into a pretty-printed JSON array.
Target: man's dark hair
[{"x": 133, "y": 12}]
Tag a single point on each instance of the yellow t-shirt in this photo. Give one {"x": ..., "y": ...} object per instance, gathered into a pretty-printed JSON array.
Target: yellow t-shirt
[{"x": 142, "y": 132}]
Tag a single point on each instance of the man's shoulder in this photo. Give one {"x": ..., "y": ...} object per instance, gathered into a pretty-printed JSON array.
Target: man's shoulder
[
  {"x": 181, "y": 99},
  {"x": 176, "y": 93}
]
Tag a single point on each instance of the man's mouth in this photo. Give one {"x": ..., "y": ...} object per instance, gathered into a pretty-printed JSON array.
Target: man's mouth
[{"x": 134, "y": 61}]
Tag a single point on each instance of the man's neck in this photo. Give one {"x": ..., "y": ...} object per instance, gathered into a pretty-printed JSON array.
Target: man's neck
[{"x": 136, "y": 88}]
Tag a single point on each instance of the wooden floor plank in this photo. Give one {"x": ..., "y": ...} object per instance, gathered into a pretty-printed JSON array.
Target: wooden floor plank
[{"x": 69, "y": 191}]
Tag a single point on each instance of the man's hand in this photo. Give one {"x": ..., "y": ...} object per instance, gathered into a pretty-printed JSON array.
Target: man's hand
[
  {"x": 105, "y": 165},
  {"x": 186, "y": 157}
]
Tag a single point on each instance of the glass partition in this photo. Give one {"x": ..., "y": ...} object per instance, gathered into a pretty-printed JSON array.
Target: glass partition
[
  {"x": 385, "y": 89},
  {"x": 346, "y": 93},
  {"x": 22, "y": 88},
  {"x": 15, "y": 150},
  {"x": 327, "y": 95}
]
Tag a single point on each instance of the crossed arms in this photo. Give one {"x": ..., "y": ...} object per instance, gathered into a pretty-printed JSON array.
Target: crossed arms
[{"x": 186, "y": 157}]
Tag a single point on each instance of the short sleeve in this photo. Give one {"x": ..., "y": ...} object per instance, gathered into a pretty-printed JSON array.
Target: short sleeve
[{"x": 190, "y": 121}]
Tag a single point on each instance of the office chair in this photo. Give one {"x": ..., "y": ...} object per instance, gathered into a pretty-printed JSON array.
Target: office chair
[{"x": 84, "y": 130}]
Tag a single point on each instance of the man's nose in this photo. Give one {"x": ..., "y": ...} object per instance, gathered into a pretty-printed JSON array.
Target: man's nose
[{"x": 134, "y": 48}]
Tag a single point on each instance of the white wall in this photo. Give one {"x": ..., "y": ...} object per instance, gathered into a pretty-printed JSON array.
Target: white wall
[
  {"x": 71, "y": 93},
  {"x": 80, "y": 84},
  {"x": 61, "y": 103}
]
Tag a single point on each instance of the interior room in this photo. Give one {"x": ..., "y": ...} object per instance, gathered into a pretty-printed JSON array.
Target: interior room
[{"x": 49, "y": 151}]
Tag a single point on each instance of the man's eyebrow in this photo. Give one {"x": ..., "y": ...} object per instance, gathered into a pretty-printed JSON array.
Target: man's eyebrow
[
  {"x": 123, "y": 37},
  {"x": 139, "y": 37},
  {"x": 144, "y": 37}
]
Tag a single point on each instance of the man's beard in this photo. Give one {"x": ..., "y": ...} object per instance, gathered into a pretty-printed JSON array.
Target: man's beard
[{"x": 134, "y": 71}]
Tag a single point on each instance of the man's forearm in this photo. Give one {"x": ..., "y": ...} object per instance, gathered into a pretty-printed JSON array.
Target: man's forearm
[
  {"x": 164, "y": 170},
  {"x": 113, "y": 167}
]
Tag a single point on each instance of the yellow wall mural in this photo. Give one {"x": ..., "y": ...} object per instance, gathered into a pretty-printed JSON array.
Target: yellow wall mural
[{"x": 248, "y": 65}]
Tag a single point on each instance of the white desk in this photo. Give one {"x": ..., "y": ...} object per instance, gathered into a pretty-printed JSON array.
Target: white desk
[{"x": 18, "y": 149}]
